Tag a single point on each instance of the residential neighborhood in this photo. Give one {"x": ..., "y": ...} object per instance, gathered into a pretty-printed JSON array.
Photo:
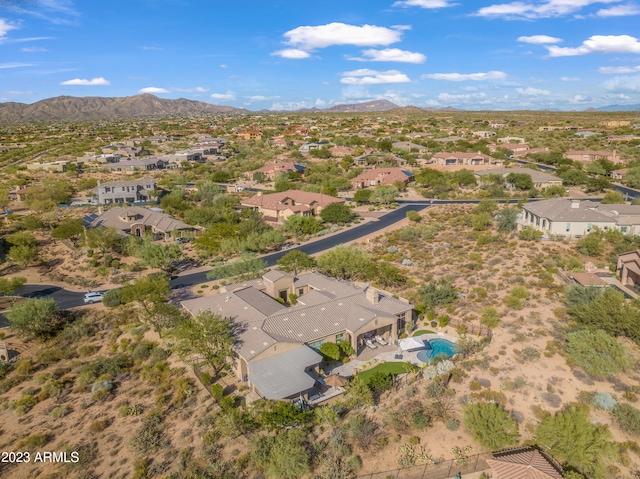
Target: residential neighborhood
[{"x": 393, "y": 293}]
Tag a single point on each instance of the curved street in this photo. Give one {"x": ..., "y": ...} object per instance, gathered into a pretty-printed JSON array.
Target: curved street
[{"x": 71, "y": 299}]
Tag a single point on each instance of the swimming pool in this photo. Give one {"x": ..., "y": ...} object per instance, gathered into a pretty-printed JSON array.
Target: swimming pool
[{"x": 437, "y": 347}]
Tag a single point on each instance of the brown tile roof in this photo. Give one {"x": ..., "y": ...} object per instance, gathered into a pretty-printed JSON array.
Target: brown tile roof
[
  {"x": 275, "y": 200},
  {"x": 160, "y": 221},
  {"x": 383, "y": 175},
  {"x": 588, "y": 279},
  {"x": 525, "y": 463},
  {"x": 461, "y": 154}
]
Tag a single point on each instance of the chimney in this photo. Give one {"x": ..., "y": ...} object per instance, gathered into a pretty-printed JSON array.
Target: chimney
[
  {"x": 372, "y": 295},
  {"x": 575, "y": 204}
]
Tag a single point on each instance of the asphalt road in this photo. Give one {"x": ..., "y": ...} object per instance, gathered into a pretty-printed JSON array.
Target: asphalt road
[{"x": 69, "y": 299}]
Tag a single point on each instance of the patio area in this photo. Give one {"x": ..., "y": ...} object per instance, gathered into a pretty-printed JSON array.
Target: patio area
[{"x": 384, "y": 354}]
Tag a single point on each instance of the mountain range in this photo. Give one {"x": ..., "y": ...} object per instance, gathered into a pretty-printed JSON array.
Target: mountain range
[{"x": 68, "y": 108}]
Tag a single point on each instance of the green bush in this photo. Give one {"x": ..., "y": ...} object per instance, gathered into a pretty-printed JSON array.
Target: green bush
[
  {"x": 596, "y": 352},
  {"x": 490, "y": 317},
  {"x": 112, "y": 298},
  {"x": 23, "y": 405},
  {"x": 149, "y": 436},
  {"x": 331, "y": 351},
  {"x": 491, "y": 425},
  {"x": 627, "y": 418}
]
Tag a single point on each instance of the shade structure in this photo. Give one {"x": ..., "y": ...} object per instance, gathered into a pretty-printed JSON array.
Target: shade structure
[
  {"x": 408, "y": 344},
  {"x": 335, "y": 380},
  {"x": 524, "y": 463}
]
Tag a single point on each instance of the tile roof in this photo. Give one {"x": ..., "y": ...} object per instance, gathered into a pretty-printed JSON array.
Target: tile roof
[
  {"x": 160, "y": 221},
  {"x": 275, "y": 200},
  {"x": 331, "y": 306},
  {"x": 559, "y": 209},
  {"x": 140, "y": 181},
  {"x": 525, "y": 463}
]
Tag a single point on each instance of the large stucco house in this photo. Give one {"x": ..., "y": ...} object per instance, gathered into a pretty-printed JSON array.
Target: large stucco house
[
  {"x": 567, "y": 217},
  {"x": 277, "y": 207},
  {"x": 136, "y": 220},
  {"x": 277, "y": 344}
]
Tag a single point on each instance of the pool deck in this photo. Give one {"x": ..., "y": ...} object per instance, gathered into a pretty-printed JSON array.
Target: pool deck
[{"x": 387, "y": 354}]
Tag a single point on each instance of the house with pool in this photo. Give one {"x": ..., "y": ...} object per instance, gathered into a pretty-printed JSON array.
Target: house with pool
[{"x": 283, "y": 320}]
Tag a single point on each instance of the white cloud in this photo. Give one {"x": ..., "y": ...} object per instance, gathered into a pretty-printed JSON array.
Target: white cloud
[
  {"x": 576, "y": 99},
  {"x": 599, "y": 44},
  {"x": 425, "y": 3},
  {"x": 390, "y": 55},
  {"x": 618, "y": 70},
  {"x": 4, "y": 66},
  {"x": 151, "y": 48},
  {"x": 84, "y": 82},
  {"x": 624, "y": 84},
  {"x": 223, "y": 66},
  {"x": 492, "y": 75},
  {"x": 5, "y": 27},
  {"x": 34, "y": 49},
  {"x": 310, "y": 38},
  {"x": 539, "y": 39},
  {"x": 537, "y": 9},
  {"x": 50, "y": 10},
  {"x": 197, "y": 89},
  {"x": 448, "y": 97},
  {"x": 529, "y": 91},
  {"x": 619, "y": 11},
  {"x": 366, "y": 76},
  {"x": 291, "y": 53},
  {"x": 153, "y": 89},
  {"x": 569, "y": 79},
  {"x": 224, "y": 96},
  {"x": 263, "y": 98}
]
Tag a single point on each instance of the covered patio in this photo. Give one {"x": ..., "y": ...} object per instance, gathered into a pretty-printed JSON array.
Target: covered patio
[{"x": 286, "y": 375}]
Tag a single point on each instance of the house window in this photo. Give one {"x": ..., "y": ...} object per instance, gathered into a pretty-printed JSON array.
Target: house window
[
  {"x": 568, "y": 227},
  {"x": 339, "y": 337},
  {"x": 623, "y": 229},
  {"x": 300, "y": 292},
  {"x": 544, "y": 223},
  {"x": 316, "y": 345},
  {"x": 588, "y": 227}
]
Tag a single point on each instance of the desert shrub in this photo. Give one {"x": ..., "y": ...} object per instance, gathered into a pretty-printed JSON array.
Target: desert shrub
[
  {"x": 361, "y": 431},
  {"x": 52, "y": 388},
  {"x": 354, "y": 463},
  {"x": 438, "y": 369},
  {"x": 184, "y": 389},
  {"x": 596, "y": 352},
  {"x": 112, "y": 298},
  {"x": 142, "y": 351},
  {"x": 284, "y": 456},
  {"x": 528, "y": 354},
  {"x": 58, "y": 412},
  {"x": 490, "y": 317},
  {"x": 571, "y": 437},
  {"x": 99, "y": 425},
  {"x": 149, "y": 436},
  {"x": 452, "y": 424},
  {"x": 33, "y": 441},
  {"x": 604, "y": 400},
  {"x": 100, "y": 366},
  {"x": 86, "y": 350},
  {"x": 23, "y": 405},
  {"x": 491, "y": 425},
  {"x": 627, "y": 418},
  {"x": 133, "y": 410}
]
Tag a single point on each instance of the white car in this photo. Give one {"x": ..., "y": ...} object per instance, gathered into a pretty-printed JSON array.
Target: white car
[{"x": 93, "y": 297}]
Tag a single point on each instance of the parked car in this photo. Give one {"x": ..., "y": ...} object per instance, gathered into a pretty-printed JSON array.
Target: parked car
[
  {"x": 93, "y": 297},
  {"x": 182, "y": 240}
]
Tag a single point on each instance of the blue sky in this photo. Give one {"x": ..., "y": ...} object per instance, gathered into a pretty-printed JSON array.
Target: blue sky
[{"x": 286, "y": 54}]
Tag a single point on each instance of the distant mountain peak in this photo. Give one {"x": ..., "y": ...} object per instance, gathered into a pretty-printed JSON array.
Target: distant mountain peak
[{"x": 95, "y": 108}]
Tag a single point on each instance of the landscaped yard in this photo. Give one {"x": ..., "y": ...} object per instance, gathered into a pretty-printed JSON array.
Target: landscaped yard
[
  {"x": 393, "y": 368},
  {"x": 422, "y": 331}
]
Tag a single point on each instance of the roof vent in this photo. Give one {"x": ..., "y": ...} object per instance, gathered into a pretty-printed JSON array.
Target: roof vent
[{"x": 575, "y": 204}]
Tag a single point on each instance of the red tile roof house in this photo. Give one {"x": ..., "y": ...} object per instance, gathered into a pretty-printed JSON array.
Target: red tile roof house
[
  {"x": 272, "y": 170},
  {"x": 462, "y": 158},
  {"x": 381, "y": 176},
  {"x": 277, "y": 207},
  {"x": 588, "y": 156}
]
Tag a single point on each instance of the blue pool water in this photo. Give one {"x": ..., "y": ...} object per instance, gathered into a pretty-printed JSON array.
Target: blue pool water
[{"x": 437, "y": 347}]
